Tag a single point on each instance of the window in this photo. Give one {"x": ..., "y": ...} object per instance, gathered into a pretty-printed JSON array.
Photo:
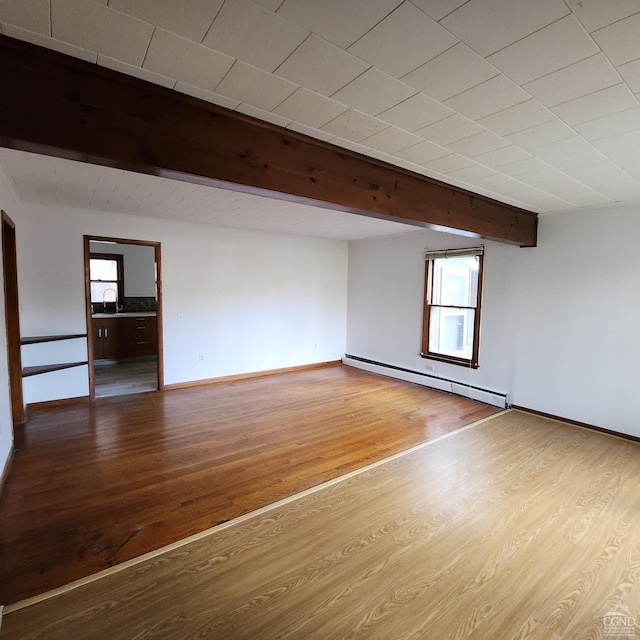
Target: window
[
  {"x": 107, "y": 281},
  {"x": 453, "y": 290}
]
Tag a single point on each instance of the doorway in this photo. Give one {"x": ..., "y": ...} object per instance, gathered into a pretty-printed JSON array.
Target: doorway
[
  {"x": 12, "y": 318},
  {"x": 124, "y": 316}
]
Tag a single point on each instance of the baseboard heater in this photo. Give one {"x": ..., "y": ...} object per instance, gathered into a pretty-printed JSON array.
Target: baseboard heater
[{"x": 496, "y": 398}]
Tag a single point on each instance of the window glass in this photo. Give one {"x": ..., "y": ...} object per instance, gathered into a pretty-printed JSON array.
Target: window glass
[{"x": 452, "y": 309}]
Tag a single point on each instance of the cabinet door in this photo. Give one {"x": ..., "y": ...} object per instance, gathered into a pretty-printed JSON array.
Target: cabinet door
[
  {"x": 98, "y": 343},
  {"x": 111, "y": 339},
  {"x": 106, "y": 339}
]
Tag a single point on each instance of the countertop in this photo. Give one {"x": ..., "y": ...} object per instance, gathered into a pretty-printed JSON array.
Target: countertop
[{"x": 135, "y": 314}]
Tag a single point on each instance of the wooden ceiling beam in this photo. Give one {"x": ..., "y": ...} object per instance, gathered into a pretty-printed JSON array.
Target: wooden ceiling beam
[{"x": 60, "y": 106}]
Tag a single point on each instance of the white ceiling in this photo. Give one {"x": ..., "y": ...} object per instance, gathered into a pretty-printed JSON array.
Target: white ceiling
[{"x": 534, "y": 103}]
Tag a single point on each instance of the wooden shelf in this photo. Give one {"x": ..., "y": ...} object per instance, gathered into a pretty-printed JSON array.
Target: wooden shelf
[
  {"x": 46, "y": 368},
  {"x": 40, "y": 339}
]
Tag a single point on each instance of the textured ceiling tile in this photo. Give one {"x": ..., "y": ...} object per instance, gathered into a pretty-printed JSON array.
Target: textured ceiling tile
[
  {"x": 500, "y": 183},
  {"x": 447, "y": 164},
  {"x": 31, "y": 15},
  {"x": 341, "y": 23},
  {"x": 391, "y": 140},
  {"x": 627, "y": 140},
  {"x": 49, "y": 43},
  {"x": 254, "y": 35},
  {"x": 477, "y": 144},
  {"x": 557, "y": 46},
  {"x": 452, "y": 72},
  {"x": 490, "y": 25},
  {"x": 521, "y": 116},
  {"x": 374, "y": 92},
  {"x": 541, "y": 134},
  {"x": 415, "y": 113},
  {"x": 501, "y": 156},
  {"x": 564, "y": 162},
  {"x": 261, "y": 114},
  {"x": 489, "y": 97},
  {"x": 92, "y": 26},
  {"x": 627, "y": 159},
  {"x": 422, "y": 153},
  {"x": 620, "y": 41},
  {"x": 630, "y": 73},
  {"x": 311, "y": 131},
  {"x": 403, "y": 41},
  {"x": 187, "y": 18},
  {"x": 595, "y": 14},
  {"x": 176, "y": 57},
  {"x": 350, "y": 144},
  {"x": 449, "y": 130},
  {"x": 519, "y": 167},
  {"x": 617, "y": 185},
  {"x": 610, "y": 125},
  {"x": 562, "y": 148},
  {"x": 255, "y": 87},
  {"x": 575, "y": 81},
  {"x": 542, "y": 200},
  {"x": 320, "y": 66},
  {"x": 272, "y": 5},
  {"x": 475, "y": 172},
  {"x": 208, "y": 96},
  {"x": 596, "y": 105},
  {"x": 136, "y": 72},
  {"x": 310, "y": 108},
  {"x": 438, "y": 9},
  {"x": 354, "y": 126}
]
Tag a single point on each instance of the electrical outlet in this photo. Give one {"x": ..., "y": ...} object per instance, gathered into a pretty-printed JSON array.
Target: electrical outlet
[
  {"x": 201, "y": 357},
  {"x": 430, "y": 367}
]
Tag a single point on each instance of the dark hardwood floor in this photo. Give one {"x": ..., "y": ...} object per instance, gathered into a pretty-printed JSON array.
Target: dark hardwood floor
[{"x": 93, "y": 485}]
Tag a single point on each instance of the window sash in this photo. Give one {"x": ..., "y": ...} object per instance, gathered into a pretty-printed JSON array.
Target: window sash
[{"x": 472, "y": 327}]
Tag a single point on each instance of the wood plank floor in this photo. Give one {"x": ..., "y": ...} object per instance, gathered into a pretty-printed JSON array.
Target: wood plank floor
[
  {"x": 121, "y": 377},
  {"x": 95, "y": 485},
  {"x": 516, "y": 528}
]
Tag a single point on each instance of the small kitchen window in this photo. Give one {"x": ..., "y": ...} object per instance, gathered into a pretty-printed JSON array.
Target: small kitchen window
[{"x": 106, "y": 272}]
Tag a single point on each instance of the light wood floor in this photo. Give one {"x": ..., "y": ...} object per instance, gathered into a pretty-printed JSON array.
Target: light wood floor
[
  {"x": 97, "y": 484},
  {"x": 516, "y": 528}
]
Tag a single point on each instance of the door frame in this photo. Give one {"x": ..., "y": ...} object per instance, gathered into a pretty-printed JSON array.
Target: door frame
[
  {"x": 87, "y": 283},
  {"x": 12, "y": 318}
]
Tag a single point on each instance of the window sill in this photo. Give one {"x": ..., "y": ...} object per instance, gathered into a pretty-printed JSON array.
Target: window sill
[{"x": 450, "y": 360}]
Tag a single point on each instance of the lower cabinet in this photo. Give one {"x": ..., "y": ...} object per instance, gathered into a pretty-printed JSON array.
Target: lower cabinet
[
  {"x": 139, "y": 336},
  {"x": 106, "y": 338},
  {"x": 124, "y": 337}
]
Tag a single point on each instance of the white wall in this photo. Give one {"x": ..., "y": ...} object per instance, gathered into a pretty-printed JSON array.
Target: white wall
[
  {"x": 386, "y": 289},
  {"x": 138, "y": 266},
  {"x": 6, "y": 421},
  {"x": 577, "y": 348},
  {"x": 560, "y": 323},
  {"x": 244, "y": 301}
]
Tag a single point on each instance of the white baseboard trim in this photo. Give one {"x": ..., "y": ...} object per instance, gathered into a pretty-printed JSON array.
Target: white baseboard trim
[{"x": 488, "y": 396}]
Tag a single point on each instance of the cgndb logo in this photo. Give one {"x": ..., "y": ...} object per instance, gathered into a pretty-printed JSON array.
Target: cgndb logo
[{"x": 619, "y": 623}]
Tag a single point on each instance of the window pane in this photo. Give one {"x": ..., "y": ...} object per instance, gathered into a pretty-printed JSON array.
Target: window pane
[
  {"x": 104, "y": 292},
  {"x": 451, "y": 332},
  {"x": 102, "y": 269},
  {"x": 455, "y": 281}
]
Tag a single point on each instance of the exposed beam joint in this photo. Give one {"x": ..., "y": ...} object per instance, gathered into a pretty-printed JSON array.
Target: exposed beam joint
[{"x": 61, "y": 106}]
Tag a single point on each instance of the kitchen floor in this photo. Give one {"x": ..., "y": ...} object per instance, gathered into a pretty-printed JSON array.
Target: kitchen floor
[{"x": 116, "y": 378}]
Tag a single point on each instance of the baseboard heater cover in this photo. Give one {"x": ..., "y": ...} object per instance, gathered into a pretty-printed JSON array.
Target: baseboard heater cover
[{"x": 495, "y": 398}]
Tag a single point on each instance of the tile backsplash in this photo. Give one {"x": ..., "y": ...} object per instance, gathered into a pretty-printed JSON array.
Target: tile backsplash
[{"x": 137, "y": 304}]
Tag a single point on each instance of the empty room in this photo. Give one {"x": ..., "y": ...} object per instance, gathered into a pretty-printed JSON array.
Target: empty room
[{"x": 321, "y": 319}]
